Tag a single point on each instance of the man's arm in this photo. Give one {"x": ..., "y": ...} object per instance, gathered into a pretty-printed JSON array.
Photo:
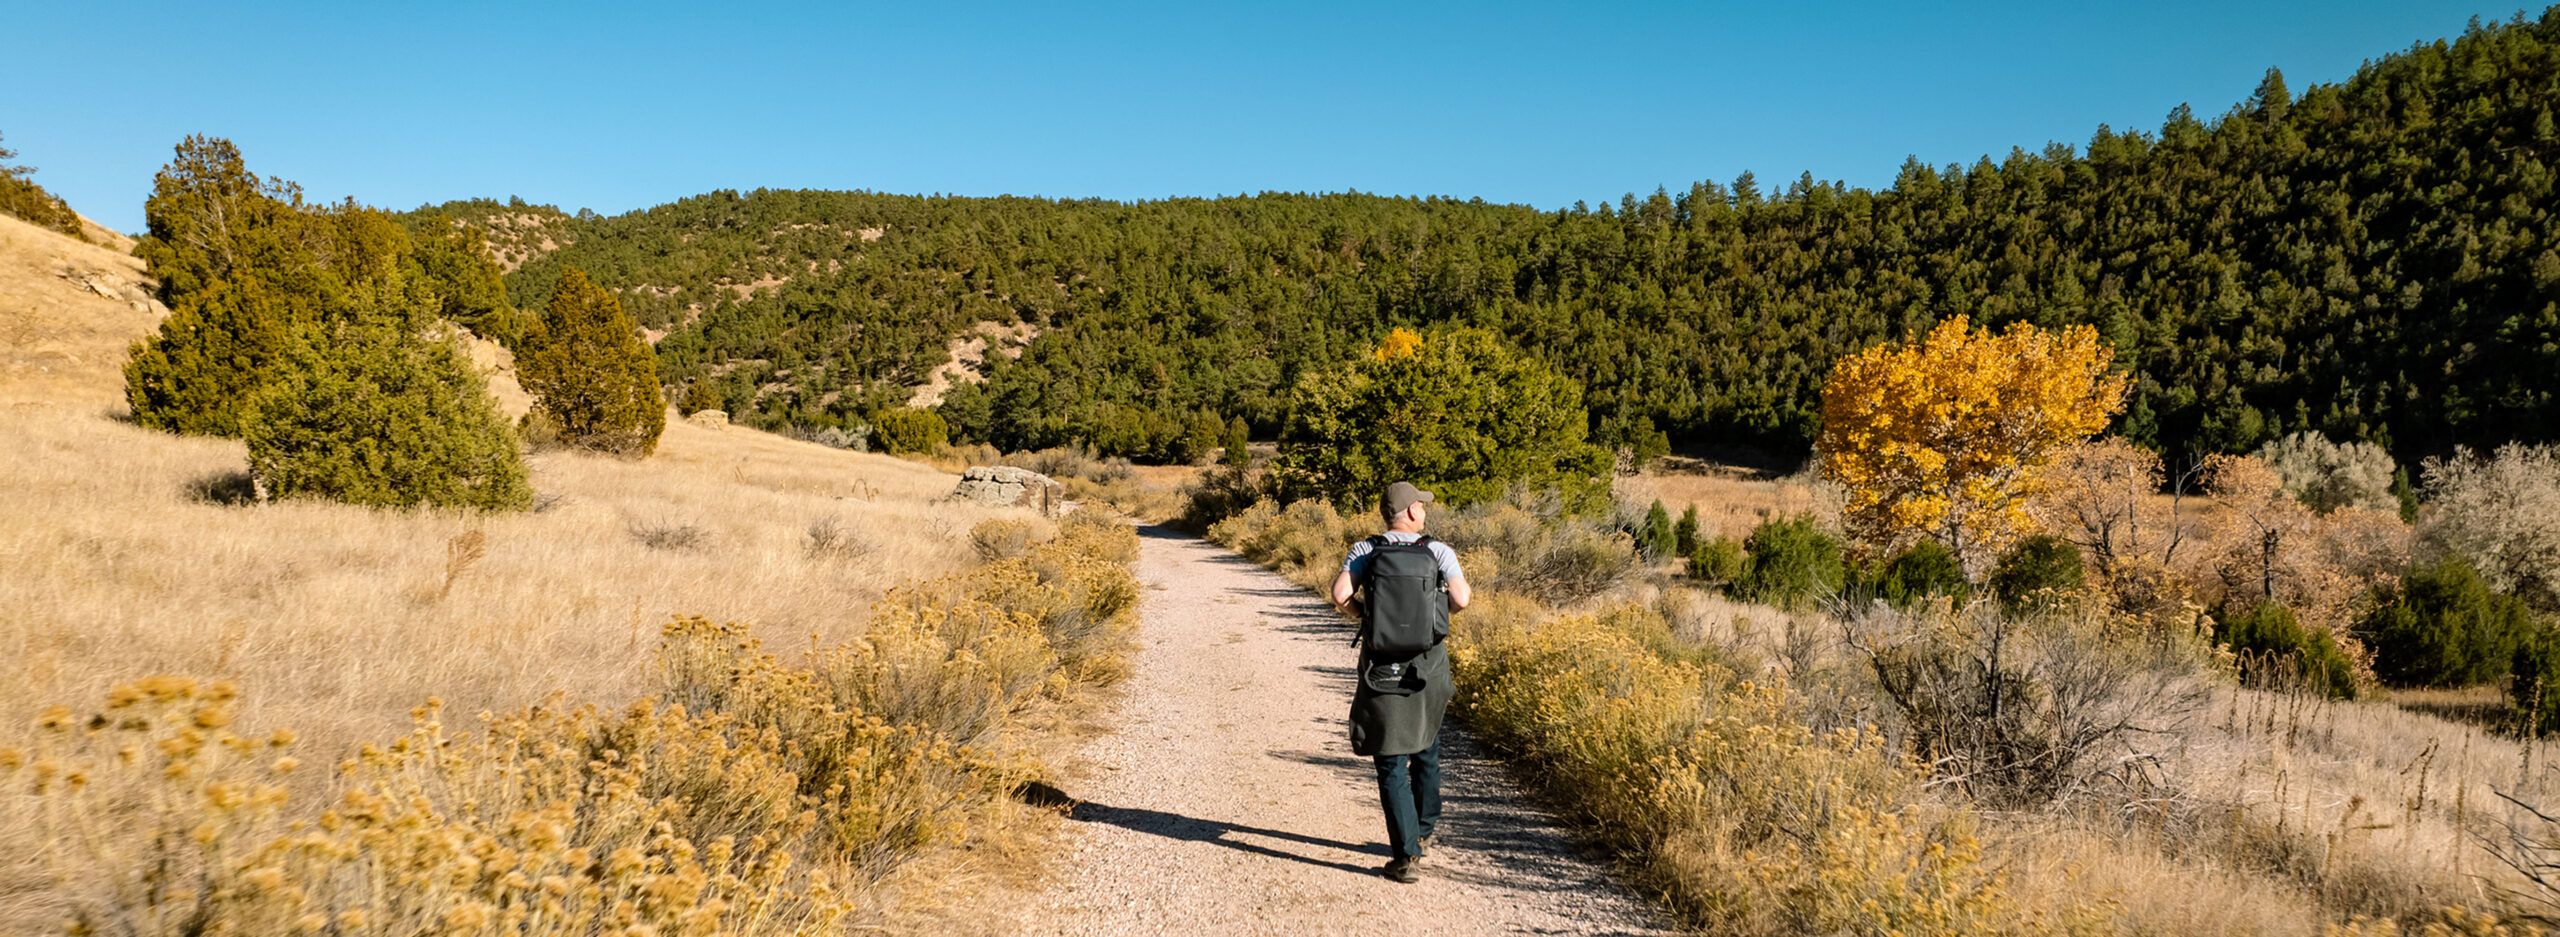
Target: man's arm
[
  {"x": 1453, "y": 578},
  {"x": 1342, "y": 590}
]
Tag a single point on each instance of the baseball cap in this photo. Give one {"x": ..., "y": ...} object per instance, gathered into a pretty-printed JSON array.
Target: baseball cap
[{"x": 1400, "y": 496}]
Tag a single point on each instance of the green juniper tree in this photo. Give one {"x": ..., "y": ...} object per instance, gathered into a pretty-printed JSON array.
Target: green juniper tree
[
  {"x": 236, "y": 262},
  {"x": 374, "y": 405},
  {"x": 1656, "y": 536},
  {"x": 591, "y": 374},
  {"x": 1238, "y": 455},
  {"x": 905, "y": 430},
  {"x": 1461, "y": 413}
]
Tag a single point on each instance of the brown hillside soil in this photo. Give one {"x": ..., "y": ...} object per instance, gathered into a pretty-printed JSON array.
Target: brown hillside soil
[
  {"x": 1228, "y": 801},
  {"x": 67, "y": 311}
]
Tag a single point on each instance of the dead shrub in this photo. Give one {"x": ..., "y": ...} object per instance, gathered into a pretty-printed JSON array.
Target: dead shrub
[
  {"x": 830, "y": 538},
  {"x": 670, "y": 535},
  {"x": 2021, "y": 712},
  {"x": 228, "y": 488}
]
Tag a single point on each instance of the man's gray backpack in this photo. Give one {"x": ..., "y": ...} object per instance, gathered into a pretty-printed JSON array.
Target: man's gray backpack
[{"x": 1407, "y": 611}]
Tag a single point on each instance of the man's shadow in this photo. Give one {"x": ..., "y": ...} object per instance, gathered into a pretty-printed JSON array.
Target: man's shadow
[{"x": 1191, "y": 829}]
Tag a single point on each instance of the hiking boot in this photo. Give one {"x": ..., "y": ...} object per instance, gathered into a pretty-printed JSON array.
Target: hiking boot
[
  {"x": 1422, "y": 847},
  {"x": 1401, "y": 868}
]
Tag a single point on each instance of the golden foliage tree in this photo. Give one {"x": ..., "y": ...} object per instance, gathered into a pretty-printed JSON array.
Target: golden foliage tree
[
  {"x": 1942, "y": 437},
  {"x": 591, "y": 373}
]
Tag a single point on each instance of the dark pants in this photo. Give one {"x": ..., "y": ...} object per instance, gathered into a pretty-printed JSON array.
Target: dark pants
[{"x": 1409, "y": 789}]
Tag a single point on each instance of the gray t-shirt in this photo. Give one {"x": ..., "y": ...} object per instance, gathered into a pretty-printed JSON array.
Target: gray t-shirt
[{"x": 1357, "y": 564}]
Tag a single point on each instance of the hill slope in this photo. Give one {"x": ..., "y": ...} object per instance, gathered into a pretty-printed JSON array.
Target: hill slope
[
  {"x": 2371, "y": 259},
  {"x": 72, "y": 308}
]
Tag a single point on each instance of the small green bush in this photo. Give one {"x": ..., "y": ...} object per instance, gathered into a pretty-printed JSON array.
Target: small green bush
[
  {"x": 1220, "y": 493},
  {"x": 1791, "y": 562},
  {"x": 2443, "y": 627},
  {"x": 1655, "y": 537},
  {"x": 375, "y": 415},
  {"x": 1718, "y": 562},
  {"x": 2037, "y": 575},
  {"x": 1684, "y": 535},
  {"x": 1927, "y": 569},
  {"x": 27, "y": 200},
  {"x": 2276, "y": 651},
  {"x": 905, "y": 430},
  {"x": 702, "y": 394}
]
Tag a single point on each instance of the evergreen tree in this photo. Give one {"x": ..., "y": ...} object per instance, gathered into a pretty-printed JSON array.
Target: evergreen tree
[
  {"x": 1461, "y": 413},
  {"x": 702, "y": 394},
  {"x": 1791, "y": 561},
  {"x": 1238, "y": 455},
  {"x": 470, "y": 289},
  {"x": 234, "y": 260},
  {"x": 2039, "y": 574},
  {"x": 1684, "y": 535},
  {"x": 2443, "y": 627},
  {"x": 1656, "y": 537},
  {"x": 1924, "y": 570},
  {"x": 590, "y": 372},
  {"x": 369, "y": 407}
]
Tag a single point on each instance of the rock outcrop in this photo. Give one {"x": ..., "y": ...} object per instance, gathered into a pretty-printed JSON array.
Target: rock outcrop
[{"x": 1008, "y": 486}]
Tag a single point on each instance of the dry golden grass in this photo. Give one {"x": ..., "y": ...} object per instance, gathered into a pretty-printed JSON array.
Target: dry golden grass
[
  {"x": 2287, "y": 815},
  {"x": 339, "y": 619},
  {"x": 1730, "y": 500}
]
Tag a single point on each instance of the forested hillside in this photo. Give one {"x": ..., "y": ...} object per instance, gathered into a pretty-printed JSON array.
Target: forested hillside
[{"x": 2373, "y": 259}]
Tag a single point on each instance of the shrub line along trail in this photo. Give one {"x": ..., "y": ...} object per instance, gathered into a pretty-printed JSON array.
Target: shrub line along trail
[{"x": 1227, "y": 801}]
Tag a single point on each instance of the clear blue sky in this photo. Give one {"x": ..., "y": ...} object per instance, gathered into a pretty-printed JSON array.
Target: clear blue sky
[{"x": 626, "y": 105}]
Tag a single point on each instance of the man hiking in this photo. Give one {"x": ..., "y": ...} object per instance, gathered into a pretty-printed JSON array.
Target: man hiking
[{"x": 1410, "y": 583}]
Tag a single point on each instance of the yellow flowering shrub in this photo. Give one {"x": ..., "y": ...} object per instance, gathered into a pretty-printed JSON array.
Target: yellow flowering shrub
[
  {"x": 2451, "y": 922},
  {"x": 161, "y": 820},
  {"x": 1304, "y": 541},
  {"x": 751, "y": 797},
  {"x": 1748, "y": 821}
]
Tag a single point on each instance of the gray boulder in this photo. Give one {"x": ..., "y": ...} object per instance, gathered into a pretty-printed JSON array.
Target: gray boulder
[{"x": 1007, "y": 486}]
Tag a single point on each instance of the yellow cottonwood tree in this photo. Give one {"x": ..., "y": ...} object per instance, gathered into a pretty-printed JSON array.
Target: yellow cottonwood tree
[{"x": 1941, "y": 437}]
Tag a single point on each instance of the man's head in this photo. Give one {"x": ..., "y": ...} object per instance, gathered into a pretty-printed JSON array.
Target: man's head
[{"x": 1402, "y": 506}]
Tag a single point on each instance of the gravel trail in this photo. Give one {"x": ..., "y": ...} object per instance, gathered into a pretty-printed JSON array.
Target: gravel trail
[{"x": 1227, "y": 801}]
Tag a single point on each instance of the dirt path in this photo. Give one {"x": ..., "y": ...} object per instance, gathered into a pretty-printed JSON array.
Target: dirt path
[{"x": 1228, "y": 801}]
